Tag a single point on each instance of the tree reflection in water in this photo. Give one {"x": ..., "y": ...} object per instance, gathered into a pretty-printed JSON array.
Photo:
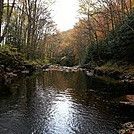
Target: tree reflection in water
[{"x": 60, "y": 102}]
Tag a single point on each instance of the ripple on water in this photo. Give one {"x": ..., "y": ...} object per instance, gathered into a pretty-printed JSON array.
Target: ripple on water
[{"x": 60, "y": 103}]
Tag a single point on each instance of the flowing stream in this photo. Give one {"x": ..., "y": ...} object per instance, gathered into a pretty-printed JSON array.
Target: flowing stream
[{"x": 56, "y": 102}]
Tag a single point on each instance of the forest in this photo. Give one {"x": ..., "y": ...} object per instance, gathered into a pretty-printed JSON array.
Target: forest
[{"x": 103, "y": 35}]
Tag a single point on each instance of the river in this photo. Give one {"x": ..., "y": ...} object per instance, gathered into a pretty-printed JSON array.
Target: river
[{"x": 56, "y": 102}]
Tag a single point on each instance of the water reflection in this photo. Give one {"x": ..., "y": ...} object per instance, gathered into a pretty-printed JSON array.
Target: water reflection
[{"x": 62, "y": 103}]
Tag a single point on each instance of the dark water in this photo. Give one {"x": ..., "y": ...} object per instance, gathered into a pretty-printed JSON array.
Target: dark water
[{"x": 62, "y": 103}]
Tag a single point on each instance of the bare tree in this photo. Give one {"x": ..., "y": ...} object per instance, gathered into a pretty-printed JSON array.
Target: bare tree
[{"x": 1, "y": 14}]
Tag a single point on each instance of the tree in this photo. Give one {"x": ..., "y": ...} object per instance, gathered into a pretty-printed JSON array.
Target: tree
[
  {"x": 101, "y": 21},
  {"x": 1, "y": 14},
  {"x": 29, "y": 26},
  {"x": 9, "y": 13}
]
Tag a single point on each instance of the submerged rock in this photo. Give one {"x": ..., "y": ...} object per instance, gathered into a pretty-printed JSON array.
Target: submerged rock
[
  {"x": 127, "y": 128},
  {"x": 126, "y": 100},
  {"x": 90, "y": 73}
]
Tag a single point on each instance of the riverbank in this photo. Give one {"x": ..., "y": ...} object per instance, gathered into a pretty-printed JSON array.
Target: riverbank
[
  {"x": 122, "y": 73},
  {"x": 12, "y": 63}
]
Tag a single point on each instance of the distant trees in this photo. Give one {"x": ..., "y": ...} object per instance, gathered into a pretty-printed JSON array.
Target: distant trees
[
  {"x": 101, "y": 30},
  {"x": 61, "y": 48},
  {"x": 8, "y": 11},
  {"x": 82, "y": 36},
  {"x": 27, "y": 25},
  {"x": 105, "y": 31}
]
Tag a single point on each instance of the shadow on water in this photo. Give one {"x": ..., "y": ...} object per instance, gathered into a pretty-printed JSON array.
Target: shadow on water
[
  {"x": 5, "y": 89},
  {"x": 59, "y": 102}
]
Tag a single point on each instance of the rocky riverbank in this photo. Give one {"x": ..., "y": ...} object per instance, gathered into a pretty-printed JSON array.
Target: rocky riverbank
[
  {"x": 62, "y": 68},
  {"x": 12, "y": 64},
  {"x": 124, "y": 74}
]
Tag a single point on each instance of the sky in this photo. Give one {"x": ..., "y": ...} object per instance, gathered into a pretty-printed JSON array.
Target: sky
[{"x": 65, "y": 14}]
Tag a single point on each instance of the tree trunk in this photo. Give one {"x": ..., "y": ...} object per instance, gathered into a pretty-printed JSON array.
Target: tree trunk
[
  {"x": 1, "y": 14},
  {"x": 130, "y": 6},
  {"x": 8, "y": 21}
]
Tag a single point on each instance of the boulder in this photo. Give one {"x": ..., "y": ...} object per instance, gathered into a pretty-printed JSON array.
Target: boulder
[
  {"x": 126, "y": 100},
  {"x": 127, "y": 128}
]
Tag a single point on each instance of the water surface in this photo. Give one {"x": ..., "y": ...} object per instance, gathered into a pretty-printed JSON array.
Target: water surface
[{"x": 62, "y": 103}]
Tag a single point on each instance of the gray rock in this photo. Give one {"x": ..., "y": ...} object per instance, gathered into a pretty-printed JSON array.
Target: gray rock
[{"x": 25, "y": 72}]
